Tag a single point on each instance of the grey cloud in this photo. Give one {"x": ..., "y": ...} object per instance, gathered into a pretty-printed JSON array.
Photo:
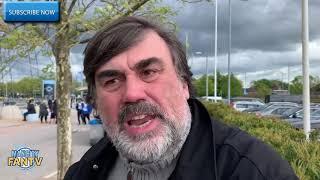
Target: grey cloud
[{"x": 258, "y": 25}]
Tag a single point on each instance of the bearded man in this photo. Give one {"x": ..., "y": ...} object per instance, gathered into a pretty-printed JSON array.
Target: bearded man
[{"x": 138, "y": 76}]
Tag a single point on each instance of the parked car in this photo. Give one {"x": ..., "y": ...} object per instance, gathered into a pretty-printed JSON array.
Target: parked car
[
  {"x": 298, "y": 112},
  {"x": 256, "y": 110},
  {"x": 275, "y": 110},
  {"x": 235, "y": 99},
  {"x": 294, "y": 112},
  {"x": 297, "y": 120},
  {"x": 314, "y": 123},
  {"x": 243, "y": 105}
]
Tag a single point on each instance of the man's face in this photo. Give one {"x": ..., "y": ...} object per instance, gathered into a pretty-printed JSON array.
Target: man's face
[{"x": 142, "y": 101}]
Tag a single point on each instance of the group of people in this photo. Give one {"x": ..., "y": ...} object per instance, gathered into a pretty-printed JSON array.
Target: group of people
[
  {"x": 84, "y": 110},
  {"x": 44, "y": 109}
]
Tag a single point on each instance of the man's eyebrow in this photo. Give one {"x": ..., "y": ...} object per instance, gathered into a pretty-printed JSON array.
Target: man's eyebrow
[
  {"x": 108, "y": 73},
  {"x": 147, "y": 62}
]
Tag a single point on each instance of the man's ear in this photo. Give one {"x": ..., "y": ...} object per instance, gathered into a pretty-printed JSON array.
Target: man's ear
[{"x": 185, "y": 88}]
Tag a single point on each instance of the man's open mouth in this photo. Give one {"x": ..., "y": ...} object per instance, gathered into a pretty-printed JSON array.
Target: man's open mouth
[{"x": 140, "y": 120}]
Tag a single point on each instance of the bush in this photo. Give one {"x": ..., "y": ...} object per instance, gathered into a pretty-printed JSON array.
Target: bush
[{"x": 303, "y": 156}]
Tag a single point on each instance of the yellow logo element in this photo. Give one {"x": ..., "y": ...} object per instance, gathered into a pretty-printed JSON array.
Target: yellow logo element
[{"x": 25, "y": 158}]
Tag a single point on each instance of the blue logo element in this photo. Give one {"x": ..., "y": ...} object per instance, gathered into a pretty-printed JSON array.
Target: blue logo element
[
  {"x": 25, "y": 158},
  {"x": 35, "y": 11}
]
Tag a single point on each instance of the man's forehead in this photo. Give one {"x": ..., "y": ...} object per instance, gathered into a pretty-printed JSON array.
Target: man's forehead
[{"x": 151, "y": 45}]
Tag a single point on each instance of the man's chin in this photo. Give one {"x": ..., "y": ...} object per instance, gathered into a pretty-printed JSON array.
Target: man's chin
[
  {"x": 143, "y": 148},
  {"x": 147, "y": 147}
]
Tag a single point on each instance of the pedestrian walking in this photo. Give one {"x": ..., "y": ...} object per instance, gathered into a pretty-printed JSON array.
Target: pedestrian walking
[
  {"x": 79, "y": 109},
  {"x": 86, "y": 110},
  {"x": 50, "y": 104},
  {"x": 53, "y": 116},
  {"x": 43, "y": 112}
]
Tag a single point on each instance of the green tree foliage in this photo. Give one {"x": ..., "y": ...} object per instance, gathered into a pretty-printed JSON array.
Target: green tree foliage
[
  {"x": 222, "y": 86},
  {"x": 26, "y": 87},
  {"x": 296, "y": 86},
  {"x": 263, "y": 87},
  {"x": 236, "y": 86},
  {"x": 48, "y": 72},
  {"x": 200, "y": 86}
]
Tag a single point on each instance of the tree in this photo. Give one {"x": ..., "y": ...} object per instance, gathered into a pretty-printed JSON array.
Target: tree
[
  {"x": 236, "y": 88},
  {"x": 48, "y": 72},
  {"x": 296, "y": 85},
  {"x": 263, "y": 87},
  {"x": 28, "y": 86},
  {"x": 222, "y": 88},
  {"x": 200, "y": 86},
  {"x": 75, "y": 20},
  {"x": 262, "y": 90}
]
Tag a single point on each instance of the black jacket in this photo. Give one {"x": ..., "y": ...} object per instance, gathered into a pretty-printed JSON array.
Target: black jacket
[
  {"x": 30, "y": 108},
  {"x": 212, "y": 151}
]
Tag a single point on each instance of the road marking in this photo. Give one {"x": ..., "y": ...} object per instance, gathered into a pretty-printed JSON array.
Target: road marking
[{"x": 50, "y": 175}]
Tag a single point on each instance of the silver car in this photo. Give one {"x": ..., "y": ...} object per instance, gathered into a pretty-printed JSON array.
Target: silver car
[{"x": 275, "y": 110}]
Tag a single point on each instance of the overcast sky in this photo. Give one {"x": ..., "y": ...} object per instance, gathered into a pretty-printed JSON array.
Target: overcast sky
[{"x": 266, "y": 38}]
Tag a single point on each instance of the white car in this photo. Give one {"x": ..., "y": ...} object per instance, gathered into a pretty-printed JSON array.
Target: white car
[{"x": 243, "y": 105}]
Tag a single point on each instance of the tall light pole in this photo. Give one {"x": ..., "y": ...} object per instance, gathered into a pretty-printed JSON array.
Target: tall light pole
[
  {"x": 229, "y": 51},
  {"x": 305, "y": 67},
  {"x": 215, "y": 52},
  {"x": 288, "y": 79},
  {"x": 207, "y": 82}
]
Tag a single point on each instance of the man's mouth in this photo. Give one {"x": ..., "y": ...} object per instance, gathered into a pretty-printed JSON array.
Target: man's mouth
[
  {"x": 140, "y": 120},
  {"x": 140, "y": 124}
]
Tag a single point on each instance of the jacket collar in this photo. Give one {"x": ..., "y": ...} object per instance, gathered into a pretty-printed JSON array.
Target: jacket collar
[{"x": 196, "y": 160}]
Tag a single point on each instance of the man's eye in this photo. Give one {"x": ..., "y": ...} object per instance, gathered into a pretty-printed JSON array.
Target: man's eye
[
  {"x": 149, "y": 74},
  {"x": 111, "y": 84}
]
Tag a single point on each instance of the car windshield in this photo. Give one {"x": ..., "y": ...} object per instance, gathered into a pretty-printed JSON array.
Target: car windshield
[
  {"x": 315, "y": 113},
  {"x": 280, "y": 110},
  {"x": 291, "y": 111}
]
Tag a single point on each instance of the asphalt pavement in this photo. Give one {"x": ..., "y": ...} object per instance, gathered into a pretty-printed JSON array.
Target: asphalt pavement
[{"x": 15, "y": 134}]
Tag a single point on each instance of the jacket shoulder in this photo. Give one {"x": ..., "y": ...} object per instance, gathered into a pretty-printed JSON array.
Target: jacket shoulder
[
  {"x": 71, "y": 171},
  {"x": 96, "y": 162},
  {"x": 248, "y": 157}
]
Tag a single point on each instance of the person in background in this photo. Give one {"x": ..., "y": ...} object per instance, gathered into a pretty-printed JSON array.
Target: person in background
[
  {"x": 86, "y": 109},
  {"x": 79, "y": 108},
  {"x": 43, "y": 111},
  {"x": 50, "y": 104},
  {"x": 53, "y": 116},
  {"x": 30, "y": 109}
]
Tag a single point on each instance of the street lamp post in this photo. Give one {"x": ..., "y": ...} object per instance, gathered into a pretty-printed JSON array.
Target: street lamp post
[
  {"x": 207, "y": 82},
  {"x": 215, "y": 52},
  {"x": 305, "y": 66},
  {"x": 229, "y": 52}
]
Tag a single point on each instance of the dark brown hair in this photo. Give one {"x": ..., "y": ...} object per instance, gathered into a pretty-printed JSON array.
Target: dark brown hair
[{"x": 122, "y": 34}]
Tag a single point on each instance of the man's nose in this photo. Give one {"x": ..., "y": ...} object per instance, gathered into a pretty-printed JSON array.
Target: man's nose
[{"x": 134, "y": 90}]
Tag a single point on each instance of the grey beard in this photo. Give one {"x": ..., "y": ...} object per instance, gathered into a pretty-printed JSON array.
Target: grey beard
[{"x": 163, "y": 144}]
